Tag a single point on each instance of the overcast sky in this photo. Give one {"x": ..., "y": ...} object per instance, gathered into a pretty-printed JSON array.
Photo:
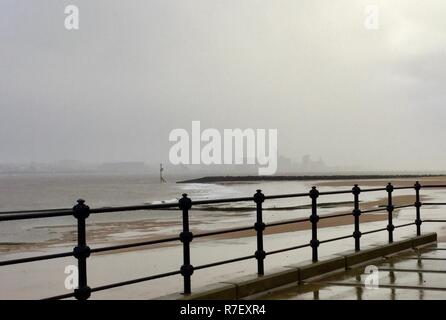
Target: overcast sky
[{"x": 135, "y": 70}]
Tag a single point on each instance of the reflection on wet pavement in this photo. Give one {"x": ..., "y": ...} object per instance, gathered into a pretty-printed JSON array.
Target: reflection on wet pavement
[{"x": 417, "y": 275}]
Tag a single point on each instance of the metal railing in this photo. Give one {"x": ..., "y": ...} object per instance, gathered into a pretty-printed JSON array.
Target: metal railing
[{"x": 82, "y": 251}]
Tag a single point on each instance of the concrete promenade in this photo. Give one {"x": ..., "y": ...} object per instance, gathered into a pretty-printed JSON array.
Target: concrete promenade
[
  {"x": 417, "y": 274},
  {"x": 413, "y": 268}
]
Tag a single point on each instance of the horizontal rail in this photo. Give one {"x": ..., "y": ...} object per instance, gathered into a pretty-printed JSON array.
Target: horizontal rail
[
  {"x": 328, "y": 216},
  {"x": 373, "y": 231},
  {"x": 327, "y": 193},
  {"x": 138, "y": 280},
  {"x": 218, "y": 232},
  {"x": 374, "y": 210},
  {"x": 384, "y": 208},
  {"x": 37, "y": 258},
  {"x": 134, "y": 244},
  {"x": 28, "y": 216},
  {"x": 36, "y": 211},
  {"x": 287, "y": 195},
  {"x": 94, "y": 250},
  {"x": 287, "y": 249},
  {"x": 281, "y": 223},
  {"x": 403, "y": 206},
  {"x": 219, "y": 263},
  {"x": 336, "y": 239},
  {"x": 118, "y": 284},
  {"x": 61, "y": 296},
  {"x": 403, "y": 188},
  {"x": 433, "y": 186},
  {"x": 405, "y": 225},
  {"x": 384, "y": 229}
]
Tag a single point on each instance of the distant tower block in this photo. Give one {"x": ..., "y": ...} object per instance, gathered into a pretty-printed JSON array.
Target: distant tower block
[{"x": 162, "y": 180}]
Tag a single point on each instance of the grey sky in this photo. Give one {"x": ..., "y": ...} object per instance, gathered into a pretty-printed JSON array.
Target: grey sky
[{"x": 137, "y": 69}]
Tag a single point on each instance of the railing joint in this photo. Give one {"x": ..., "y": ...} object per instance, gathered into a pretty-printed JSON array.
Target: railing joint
[
  {"x": 259, "y": 197},
  {"x": 186, "y": 236},
  {"x": 82, "y": 293},
  {"x": 81, "y": 252},
  {"x": 259, "y": 226},
  {"x": 187, "y": 270},
  {"x": 260, "y": 254},
  {"x": 314, "y": 243}
]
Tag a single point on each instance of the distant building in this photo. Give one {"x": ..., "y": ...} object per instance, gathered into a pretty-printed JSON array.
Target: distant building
[{"x": 308, "y": 165}]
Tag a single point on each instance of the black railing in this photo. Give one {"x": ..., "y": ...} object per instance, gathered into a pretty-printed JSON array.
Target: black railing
[{"x": 82, "y": 251}]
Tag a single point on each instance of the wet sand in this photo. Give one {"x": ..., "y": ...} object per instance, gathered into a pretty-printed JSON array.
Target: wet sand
[
  {"x": 99, "y": 232},
  {"x": 440, "y": 180},
  {"x": 323, "y": 223},
  {"x": 331, "y": 222}
]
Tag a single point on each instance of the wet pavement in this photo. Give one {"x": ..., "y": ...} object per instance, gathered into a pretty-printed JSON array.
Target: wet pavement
[{"x": 418, "y": 274}]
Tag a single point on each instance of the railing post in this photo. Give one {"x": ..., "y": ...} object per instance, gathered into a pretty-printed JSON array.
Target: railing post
[
  {"x": 418, "y": 221},
  {"x": 390, "y": 226},
  {"x": 259, "y": 226},
  {"x": 356, "y": 213},
  {"x": 314, "y": 218},
  {"x": 186, "y": 238},
  {"x": 81, "y": 252}
]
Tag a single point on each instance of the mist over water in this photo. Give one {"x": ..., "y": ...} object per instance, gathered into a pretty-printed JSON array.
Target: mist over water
[{"x": 114, "y": 89}]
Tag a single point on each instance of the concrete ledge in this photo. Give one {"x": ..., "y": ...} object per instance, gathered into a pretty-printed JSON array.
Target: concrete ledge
[
  {"x": 353, "y": 258},
  {"x": 424, "y": 239},
  {"x": 252, "y": 284},
  {"x": 308, "y": 269},
  {"x": 216, "y": 291}
]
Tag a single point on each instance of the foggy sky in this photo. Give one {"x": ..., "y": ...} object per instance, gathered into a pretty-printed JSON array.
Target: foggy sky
[{"x": 135, "y": 70}]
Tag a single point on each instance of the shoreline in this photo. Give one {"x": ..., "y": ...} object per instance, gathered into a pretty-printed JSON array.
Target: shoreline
[{"x": 218, "y": 179}]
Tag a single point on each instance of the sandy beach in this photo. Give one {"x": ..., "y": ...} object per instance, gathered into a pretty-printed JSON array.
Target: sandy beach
[
  {"x": 99, "y": 232},
  {"x": 332, "y": 222},
  {"x": 408, "y": 182},
  {"x": 398, "y": 200}
]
